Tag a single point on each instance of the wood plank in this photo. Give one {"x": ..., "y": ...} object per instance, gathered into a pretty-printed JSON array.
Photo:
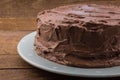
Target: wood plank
[
  {"x": 9, "y": 41},
  {"x": 25, "y": 74},
  {"x": 13, "y": 61},
  {"x": 37, "y": 74},
  {"x": 18, "y": 24}
]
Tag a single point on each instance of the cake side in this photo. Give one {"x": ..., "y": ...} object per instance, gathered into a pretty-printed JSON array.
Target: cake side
[{"x": 76, "y": 34}]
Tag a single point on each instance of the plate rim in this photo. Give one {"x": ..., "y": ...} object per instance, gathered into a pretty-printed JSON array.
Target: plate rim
[{"x": 55, "y": 70}]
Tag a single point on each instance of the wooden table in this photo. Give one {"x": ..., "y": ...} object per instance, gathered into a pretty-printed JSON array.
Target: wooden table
[{"x": 12, "y": 29}]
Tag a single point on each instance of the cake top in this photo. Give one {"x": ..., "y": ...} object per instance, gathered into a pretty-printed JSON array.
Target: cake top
[{"x": 78, "y": 14}]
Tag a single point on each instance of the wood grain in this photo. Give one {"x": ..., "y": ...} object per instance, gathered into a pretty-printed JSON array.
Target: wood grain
[
  {"x": 15, "y": 24},
  {"x": 9, "y": 41},
  {"x": 12, "y": 61}
]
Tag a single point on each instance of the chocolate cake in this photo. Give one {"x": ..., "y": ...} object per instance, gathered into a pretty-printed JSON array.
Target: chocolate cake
[{"x": 80, "y": 35}]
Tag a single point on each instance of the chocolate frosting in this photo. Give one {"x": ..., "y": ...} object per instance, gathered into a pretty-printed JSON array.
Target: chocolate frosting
[{"x": 80, "y": 35}]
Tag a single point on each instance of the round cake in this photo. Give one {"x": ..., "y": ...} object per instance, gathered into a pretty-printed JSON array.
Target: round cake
[{"x": 80, "y": 35}]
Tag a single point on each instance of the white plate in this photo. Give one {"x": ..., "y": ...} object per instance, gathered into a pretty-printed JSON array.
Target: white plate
[{"x": 26, "y": 51}]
